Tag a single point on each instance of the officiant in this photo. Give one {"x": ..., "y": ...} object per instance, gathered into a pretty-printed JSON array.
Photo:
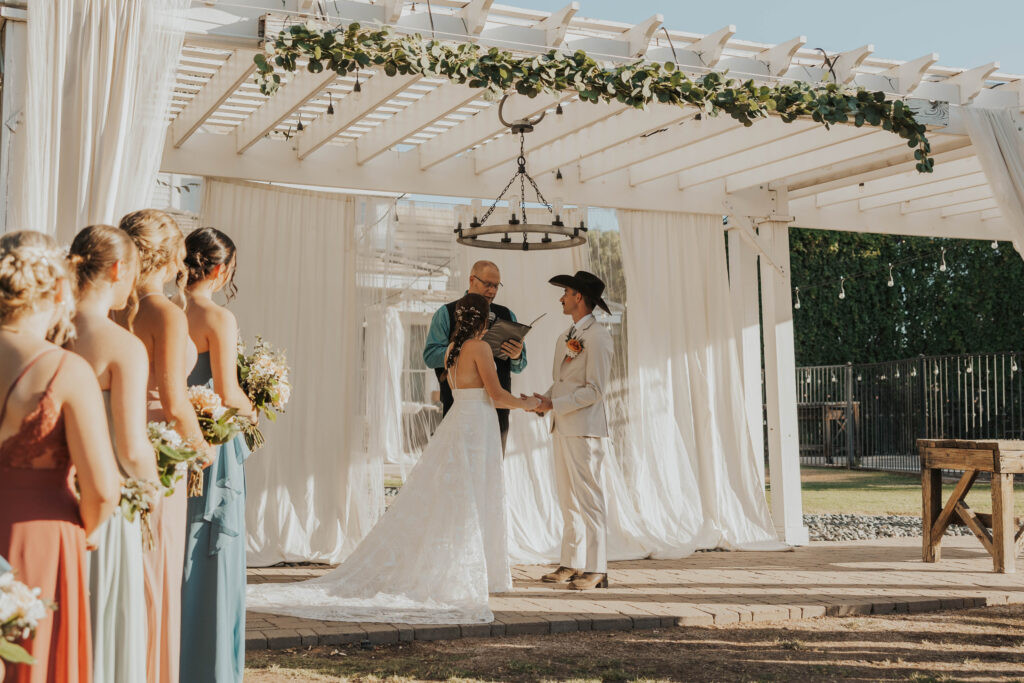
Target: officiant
[{"x": 484, "y": 279}]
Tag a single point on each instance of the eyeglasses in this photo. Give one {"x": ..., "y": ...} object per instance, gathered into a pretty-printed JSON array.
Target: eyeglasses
[{"x": 486, "y": 284}]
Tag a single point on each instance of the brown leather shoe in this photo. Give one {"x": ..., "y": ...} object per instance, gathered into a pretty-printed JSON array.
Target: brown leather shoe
[
  {"x": 589, "y": 580},
  {"x": 561, "y": 575}
]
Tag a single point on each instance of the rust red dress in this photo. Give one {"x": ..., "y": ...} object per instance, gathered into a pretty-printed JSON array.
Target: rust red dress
[{"x": 41, "y": 535}]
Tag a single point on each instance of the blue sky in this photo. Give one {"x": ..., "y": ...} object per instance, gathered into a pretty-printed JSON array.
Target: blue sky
[{"x": 965, "y": 34}]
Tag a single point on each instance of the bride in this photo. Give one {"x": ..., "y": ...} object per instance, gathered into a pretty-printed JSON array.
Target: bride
[{"x": 442, "y": 547}]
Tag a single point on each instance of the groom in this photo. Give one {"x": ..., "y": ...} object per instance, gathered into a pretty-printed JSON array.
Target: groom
[{"x": 583, "y": 359}]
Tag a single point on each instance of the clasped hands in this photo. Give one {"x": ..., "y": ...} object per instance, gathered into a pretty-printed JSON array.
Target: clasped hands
[{"x": 543, "y": 405}]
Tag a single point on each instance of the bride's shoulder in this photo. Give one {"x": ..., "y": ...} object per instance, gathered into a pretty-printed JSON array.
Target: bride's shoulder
[{"x": 474, "y": 346}]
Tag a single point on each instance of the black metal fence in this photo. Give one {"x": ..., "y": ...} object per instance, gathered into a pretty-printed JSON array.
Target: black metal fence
[{"x": 869, "y": 416}]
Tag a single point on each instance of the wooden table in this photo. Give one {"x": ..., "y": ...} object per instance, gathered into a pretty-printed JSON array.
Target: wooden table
[{"x": 1003, "y": 458}]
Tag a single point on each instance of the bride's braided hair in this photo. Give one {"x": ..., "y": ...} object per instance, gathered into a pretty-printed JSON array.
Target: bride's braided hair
[{"x": 471, "y": 313}]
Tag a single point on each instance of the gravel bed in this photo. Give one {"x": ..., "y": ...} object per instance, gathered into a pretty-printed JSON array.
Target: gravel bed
[{"x": 861, "y": 527}]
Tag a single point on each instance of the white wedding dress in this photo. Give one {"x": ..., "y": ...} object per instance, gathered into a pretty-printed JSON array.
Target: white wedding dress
[{"x": 437, "y": 552}]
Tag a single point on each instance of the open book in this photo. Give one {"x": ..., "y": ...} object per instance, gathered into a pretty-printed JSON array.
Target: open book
[{"x": 504, "y": 330}]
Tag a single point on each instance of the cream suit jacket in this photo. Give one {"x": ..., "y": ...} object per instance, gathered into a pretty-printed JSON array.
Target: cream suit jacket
[{"x": 577, "y": 395}]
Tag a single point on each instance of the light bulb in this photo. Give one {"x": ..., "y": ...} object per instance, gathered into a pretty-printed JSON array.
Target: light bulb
[
  {"x": 943, "y": 266},
  {"x": 797, "y": 304},
  {"x": 897, "y": 375},
  {"x": 842, "y": 288},
  {"x": 891, "y": 282},
  {"x": 995, "y": 244}
]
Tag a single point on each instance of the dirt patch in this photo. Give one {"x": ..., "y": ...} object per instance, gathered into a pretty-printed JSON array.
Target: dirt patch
[{"x": 968, "y": 645}]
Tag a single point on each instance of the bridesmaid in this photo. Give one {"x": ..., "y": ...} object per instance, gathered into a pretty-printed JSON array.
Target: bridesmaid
[
  {"x": 105, "y": 264},
  {"x": 213, "y": 595},
  {"x": 163, "y": 329},
  {"x": 51, "y": 420}
]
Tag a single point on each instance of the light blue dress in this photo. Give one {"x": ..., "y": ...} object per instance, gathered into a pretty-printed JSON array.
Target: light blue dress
[
  {"x": 117, "y": 597},
  {"x": 213, "y": 590}
]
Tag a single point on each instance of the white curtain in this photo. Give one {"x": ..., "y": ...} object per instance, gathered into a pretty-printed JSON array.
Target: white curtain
[
  {"x": 99, "y": 83},
  {"x": 999, "y": 144},
  {"x": 695, "y": 479},
  {"x": 313, "y": 492},
  {"x": 385, "y": 348}
]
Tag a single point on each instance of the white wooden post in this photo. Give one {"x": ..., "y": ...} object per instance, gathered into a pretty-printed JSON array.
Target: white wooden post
[
  {"x": 743, "y": 287},
  {"x": 780, "y": 380},
  {"x": 15, "y": 35}
]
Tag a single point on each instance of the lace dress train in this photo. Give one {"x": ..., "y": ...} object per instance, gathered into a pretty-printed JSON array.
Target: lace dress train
[{"x": 437, "y": 552}]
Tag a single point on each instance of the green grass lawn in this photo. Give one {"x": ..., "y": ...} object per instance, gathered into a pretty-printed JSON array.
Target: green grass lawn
[{"x": 838, "y": 490}]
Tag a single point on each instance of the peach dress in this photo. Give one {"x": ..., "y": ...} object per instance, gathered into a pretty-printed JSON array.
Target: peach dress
[
  {"x": 41, "y": 535},
  {"x": 164, "y": 565}
]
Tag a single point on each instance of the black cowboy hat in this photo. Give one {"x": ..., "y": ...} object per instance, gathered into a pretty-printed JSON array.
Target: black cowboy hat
[{"x": 585, "y": 283}]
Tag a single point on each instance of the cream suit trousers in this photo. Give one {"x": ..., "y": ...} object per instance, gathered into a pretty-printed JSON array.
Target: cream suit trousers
[{"x": 578, "y": 462}]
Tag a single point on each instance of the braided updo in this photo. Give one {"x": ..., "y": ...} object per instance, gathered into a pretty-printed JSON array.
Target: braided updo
[
  {"x": 32, "y": 271},
  {"x": 205, "y": 249},
  {"x": 158, "y": 240},
  {"x": 471, "y": 313}
]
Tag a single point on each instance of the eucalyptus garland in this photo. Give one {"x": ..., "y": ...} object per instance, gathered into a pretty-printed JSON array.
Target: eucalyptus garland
[{"x": 346, "y": 50}]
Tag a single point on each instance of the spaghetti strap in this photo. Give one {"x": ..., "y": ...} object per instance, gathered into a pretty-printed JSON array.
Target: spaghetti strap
[{"x": 24, "y": 370}]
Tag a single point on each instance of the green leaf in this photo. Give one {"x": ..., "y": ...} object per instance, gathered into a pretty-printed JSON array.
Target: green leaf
[{"x": 14, "y": 653}]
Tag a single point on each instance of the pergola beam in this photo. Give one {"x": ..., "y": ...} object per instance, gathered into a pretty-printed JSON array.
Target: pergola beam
[
  {"x": 355, "y": 105},
  {"x": 864, "y": 188},
  {"x": 229, "y": 77},
  {"x": 964, "y": 196},
  {"x": 748, "y": 149},
  {"x": 578, "y": 115},
  {"x": 970, "y": 207},
  {"x": 779, "y": 58},
  {"x": 478, "y": 128},
  {"x": 429, "y": 109},
  {"x": 618, "y": 134},
  {"x": 860, "y": 146},
  {"x": 847, "y": 173},
  {"x": 303, "y": 87},
  {"x": 922, "y": 191}
]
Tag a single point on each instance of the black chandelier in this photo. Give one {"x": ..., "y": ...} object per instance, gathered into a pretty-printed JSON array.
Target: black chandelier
[{"x": 556, "y": 235}]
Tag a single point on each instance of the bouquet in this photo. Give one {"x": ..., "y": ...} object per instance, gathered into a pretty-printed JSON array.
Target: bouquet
[
  {"x": 138, "y": 497},
  {"x": 263, "y": 376},
  {"x": 20, "y": 613},
  {"x": 173, "y": 455},
  {"x": 219, "y": 425}
]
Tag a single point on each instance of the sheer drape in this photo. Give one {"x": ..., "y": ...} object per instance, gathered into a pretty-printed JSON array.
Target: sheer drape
[
  {"x": 98, "y": 87},
  {"x": 313, "y": 492},
  {"x": 998, "y": 142},
  {"x": 385, "y": 357},
  {"x": 695, "y": 479}
]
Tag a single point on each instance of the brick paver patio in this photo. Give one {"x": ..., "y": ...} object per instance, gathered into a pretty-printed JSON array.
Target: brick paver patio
[{"x": 862, "y": 577}]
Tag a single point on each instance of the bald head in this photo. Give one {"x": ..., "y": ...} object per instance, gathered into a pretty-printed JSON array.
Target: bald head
[{"x": 484, "y": 279}]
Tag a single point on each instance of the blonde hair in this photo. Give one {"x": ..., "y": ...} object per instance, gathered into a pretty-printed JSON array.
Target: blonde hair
[
  {"x": 95, "y": 250},
  {"x": 159, "y": 241},
  {"x": 32, "y": 271}
]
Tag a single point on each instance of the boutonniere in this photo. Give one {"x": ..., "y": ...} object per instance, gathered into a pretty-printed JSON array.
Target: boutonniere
[{"x": 573, "y": 345}]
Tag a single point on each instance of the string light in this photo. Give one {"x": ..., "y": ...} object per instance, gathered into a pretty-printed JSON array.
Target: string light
[
  {"x": 330, "y": 103},
  {"x": 891, "y": 280}
]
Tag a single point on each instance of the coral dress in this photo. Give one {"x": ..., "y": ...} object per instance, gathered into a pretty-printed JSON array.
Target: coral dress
[{"x": 41, "y": 535}]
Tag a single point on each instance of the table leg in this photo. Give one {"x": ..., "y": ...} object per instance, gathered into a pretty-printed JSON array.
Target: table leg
[
  {"x": 1004, "y": 549},
  {"x": 931, "y": 496}
]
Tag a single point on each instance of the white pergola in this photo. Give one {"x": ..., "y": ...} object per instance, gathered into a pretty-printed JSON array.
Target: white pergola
[{"x": 412, "y": 134}]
